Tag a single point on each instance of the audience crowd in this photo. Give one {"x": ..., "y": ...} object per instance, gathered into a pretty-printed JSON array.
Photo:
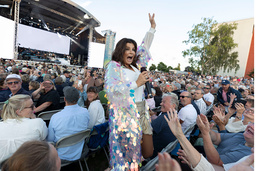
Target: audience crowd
[{"x": 220, "y": 107}]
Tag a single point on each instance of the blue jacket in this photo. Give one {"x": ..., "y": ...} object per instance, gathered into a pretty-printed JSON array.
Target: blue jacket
[{"x": 230, "y": 90}]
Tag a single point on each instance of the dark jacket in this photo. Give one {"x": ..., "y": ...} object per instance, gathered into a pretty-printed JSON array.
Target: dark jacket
[{"x": 230, "y": 90}]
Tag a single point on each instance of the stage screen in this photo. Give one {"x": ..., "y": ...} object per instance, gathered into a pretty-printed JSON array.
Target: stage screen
[
  {"x": 96, "y": 55},
  {"x": 7, "y": 38},
  {"x": 33, "y": 38}
]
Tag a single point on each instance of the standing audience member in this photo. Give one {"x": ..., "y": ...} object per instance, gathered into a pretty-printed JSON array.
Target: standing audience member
[
  {"x": 223, "y": 95},
  {"x": 19, "y": 125},
  {"x": 14, "y": 83},
  {"x": 33, "y": 156},
  {"x": 95, "y": 108},
  {"x": 72, "y": 119},
  {"x": 48, "y": 97},
  {"x": 58, "y": 85}
]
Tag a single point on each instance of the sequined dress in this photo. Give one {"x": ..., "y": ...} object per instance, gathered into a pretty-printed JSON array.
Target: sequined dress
[{"x": 124, "y": 127}]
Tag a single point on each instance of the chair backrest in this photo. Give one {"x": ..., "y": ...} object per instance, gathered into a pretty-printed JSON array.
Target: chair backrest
[
  {"x": 62, "y": 99},
  {"x": 46, "y": 116},
  {"x": 73, "y": 139},
  {"x": 1, "y": 105}
]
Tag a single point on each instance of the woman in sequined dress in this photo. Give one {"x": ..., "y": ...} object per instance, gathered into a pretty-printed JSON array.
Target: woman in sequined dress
[{"x": 129, "y": 122}]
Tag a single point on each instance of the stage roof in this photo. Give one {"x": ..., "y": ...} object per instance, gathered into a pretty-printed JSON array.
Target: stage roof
[{"x": 62, "y": 16}]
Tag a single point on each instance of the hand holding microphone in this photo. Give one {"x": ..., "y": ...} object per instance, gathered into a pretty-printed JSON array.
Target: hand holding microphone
[{"x": 148, "y": 87}]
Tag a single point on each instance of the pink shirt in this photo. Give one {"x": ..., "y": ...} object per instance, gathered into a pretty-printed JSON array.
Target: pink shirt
[{"x": 224, "y": 96}]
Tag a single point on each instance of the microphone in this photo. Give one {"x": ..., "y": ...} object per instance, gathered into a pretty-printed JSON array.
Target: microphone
[{"x": 148, "y": 88}]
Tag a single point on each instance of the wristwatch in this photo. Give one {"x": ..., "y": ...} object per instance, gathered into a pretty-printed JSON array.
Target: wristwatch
[{"x": 238, "y": 117}]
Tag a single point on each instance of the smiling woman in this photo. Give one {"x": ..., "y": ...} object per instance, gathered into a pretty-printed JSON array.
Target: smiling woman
[{"x": 19, "y": 125}]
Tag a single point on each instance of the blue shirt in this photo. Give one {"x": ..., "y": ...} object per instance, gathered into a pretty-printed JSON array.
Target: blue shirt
[
  {"x": 72, "y": 119},
  {"x": 232, "y": 147}
]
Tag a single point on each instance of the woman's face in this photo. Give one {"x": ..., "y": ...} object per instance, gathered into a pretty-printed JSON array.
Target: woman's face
[
  {"x": 91, "y": 96},
  {"x": 129, "y": 54},
  {"x": 47, "y": 86},
  {"x": 28, "y": 111}
]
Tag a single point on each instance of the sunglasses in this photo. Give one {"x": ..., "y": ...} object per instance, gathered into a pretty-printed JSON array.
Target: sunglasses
[
  {"x": 15, "y": 82},
  {"x": 183, "y": 96},
  {"x": 206, "y": 88},
  {"x": 31, "y": 107}
]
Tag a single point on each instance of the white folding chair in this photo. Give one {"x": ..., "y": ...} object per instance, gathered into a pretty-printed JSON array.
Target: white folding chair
[
  {"x": 46, "y": 116},
  {"x": 72, "y": 140}
]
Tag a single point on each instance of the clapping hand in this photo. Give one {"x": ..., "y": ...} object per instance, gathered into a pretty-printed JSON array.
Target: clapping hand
[
  {"x": 219, "y": 116},
  {"x": 173, "y": 122},
  {"x": 203, "y": 124}
]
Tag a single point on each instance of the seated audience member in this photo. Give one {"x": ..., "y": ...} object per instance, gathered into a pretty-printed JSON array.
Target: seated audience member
[
  {"x": 95, "y": 108},
  {"x": 39, "y": 77},
  {"x": 3, "y": 87},
  {"x": 231, "y": 146},
  {"x": 14, "y": 83},
  {"x": 158, "y": 96},
  {"x": 25, "y": 81},
  {"x": 33, "y": 86},
  {"x": 48, "y": 97},
  {"x": 19, "y": 125},
  {"x": 208, "y": 97},
  {"x": 162, "y": 135},
  {"x": 188, "y": 113},
  {"x": 72, "y": 119},
  {"x": 58, "y": 85},
  {"x": 33, "y": 156},
  {"x": 190, "y": 155},
  {"x": 91, "y": 79},
  {"x": 244, "y": 115},
  {"x": 198, "y": 99},
  {"x": 150, "y": 101}
]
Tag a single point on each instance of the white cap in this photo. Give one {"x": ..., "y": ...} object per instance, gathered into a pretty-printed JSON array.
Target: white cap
[{"x": 13, "y": 76}]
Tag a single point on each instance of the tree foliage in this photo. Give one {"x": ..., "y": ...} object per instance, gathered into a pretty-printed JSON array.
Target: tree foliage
[
  {"x": 211, "y": 47},
  {"x": 162, "y": 67},
  {"x": 152, "y": 67}
]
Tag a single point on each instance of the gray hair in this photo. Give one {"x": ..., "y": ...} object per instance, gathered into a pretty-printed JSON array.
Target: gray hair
[
  {"x": 174, "y": 99},
  {"x": 202, "y": 91},
  {"x": 71, "y": 94}
]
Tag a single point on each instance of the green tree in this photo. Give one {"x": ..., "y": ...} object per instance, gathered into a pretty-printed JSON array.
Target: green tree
[
  {"x": 211, "y": 47},
  {"x": 162, "y": 67},
  {"x": 152, "y": 67}
]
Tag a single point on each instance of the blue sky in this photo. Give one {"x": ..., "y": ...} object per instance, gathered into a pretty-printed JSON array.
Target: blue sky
[{"x": 173, "y": 18}]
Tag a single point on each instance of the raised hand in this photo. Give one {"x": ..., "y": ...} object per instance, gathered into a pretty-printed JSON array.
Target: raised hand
[
  {"x": 152, "y": 20},
  {"x": 173, "y": 122},
  {"x": 183, "y": 156},
  {"x": 203, "y": 124},
  {"x": 218, "y": 113}
]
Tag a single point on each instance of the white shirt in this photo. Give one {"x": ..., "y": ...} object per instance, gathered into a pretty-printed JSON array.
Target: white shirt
[
  {"x": 201, "y": 105},
  {"x": 15, "y": 132},
  {"x": 133, "y": 75},
  {"x": 97, "y": 114},
  {"x": 209, "y": 98},
  {"x": 187, "y": 114}
]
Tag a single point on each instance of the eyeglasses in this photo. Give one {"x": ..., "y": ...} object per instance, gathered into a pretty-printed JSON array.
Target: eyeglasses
[
  {"x": 47, "y": 83},
  {"x": 31, "y": 107},
  {"x": 183, "y": 96},
  {"x": 14, "y": 82},
  {"x": 206, "y": 88}
]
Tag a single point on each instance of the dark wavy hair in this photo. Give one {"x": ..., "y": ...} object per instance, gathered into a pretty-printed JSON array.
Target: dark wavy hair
[
  {"x": 120, "y": 50},
  {"x": 95, "y": 90}
]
